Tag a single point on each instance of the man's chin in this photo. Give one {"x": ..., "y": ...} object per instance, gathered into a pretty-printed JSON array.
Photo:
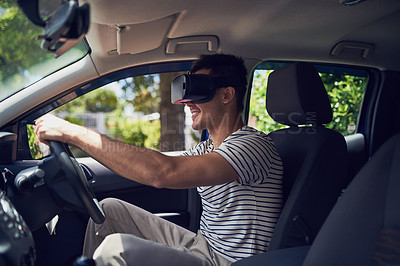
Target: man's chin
[{"x": 197, "y": 127}]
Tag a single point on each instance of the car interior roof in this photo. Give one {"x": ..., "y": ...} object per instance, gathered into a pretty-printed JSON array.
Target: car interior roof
[{"x": 129, "y": 33}]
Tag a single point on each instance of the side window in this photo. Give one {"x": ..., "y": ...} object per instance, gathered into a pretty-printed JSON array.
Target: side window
[
  {"x": 344, "y": 86},
  {"x": 135, "y": 110}
]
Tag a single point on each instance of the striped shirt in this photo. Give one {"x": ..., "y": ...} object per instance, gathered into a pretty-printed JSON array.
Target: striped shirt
[{"x": 239, "y": 217}]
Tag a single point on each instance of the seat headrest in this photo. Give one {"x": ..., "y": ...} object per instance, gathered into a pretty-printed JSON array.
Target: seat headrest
[{"x": 297, "y": 96}]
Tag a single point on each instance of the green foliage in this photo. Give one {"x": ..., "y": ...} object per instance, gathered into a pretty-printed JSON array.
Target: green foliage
[
  {"x": 138, "y": 132},
  {"x": 142, "y": 92},
  {"x": 345, "y": 92},
  {"x": 22, "y": 62},
  {"x": 196, "y": 135},
  {"x": 258, "y": 113},
  {"x": 78, "y": 105},
  {"x": 33, "y": 143},
  {"x": 74, "y": 120},
  {"x": 129, "y": 133},
  {"x": 152, "y": 129},
  {"x": 100, "y": 101},
  {"x": 18, "y": 39}
]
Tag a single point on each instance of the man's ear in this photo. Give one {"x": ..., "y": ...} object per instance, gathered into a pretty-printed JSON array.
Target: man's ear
[{"x": 229, "y": 94}]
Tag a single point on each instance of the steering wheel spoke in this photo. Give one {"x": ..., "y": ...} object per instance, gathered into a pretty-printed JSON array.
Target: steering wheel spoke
[{"x": 77, "y": 181}]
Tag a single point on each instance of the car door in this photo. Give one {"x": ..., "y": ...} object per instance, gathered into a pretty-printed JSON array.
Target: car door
[{"x": 133, "y": 106}]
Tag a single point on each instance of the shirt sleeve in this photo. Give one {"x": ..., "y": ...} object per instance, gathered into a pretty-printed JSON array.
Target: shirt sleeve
[
  {"x": 198, "y": 149},
  {"x": 253, "y": 157}
]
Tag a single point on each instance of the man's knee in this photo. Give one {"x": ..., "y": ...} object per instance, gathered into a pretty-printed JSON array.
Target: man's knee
[
  {"x": 109, "y": 203},
  {"x": 111, "y": 207},
  {"x": 125, "y": 249},
  {"x": 119, "y": 249}
]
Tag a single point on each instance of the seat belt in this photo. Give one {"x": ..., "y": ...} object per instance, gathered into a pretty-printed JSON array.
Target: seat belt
[{"x": 305, "y": 230}]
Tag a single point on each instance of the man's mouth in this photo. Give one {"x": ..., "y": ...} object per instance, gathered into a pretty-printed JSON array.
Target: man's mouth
[{"x": 195, "y": 113}]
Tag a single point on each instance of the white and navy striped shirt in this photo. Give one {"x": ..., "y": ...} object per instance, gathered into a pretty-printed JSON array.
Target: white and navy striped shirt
[{"x": 239, "y": 217}]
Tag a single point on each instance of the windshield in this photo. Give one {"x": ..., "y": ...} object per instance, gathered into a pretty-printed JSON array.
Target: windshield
[{"x": 22, "y": 62}]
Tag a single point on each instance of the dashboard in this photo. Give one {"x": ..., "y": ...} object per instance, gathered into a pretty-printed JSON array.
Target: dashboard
[{"x": 37, "y": 192}]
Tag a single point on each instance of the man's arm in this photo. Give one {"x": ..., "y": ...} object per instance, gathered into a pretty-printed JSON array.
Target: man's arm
[{"x": 142, "y": 165}]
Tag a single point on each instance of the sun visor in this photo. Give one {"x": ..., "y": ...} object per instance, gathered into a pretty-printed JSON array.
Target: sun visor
[{"x": 142, "y": 37}]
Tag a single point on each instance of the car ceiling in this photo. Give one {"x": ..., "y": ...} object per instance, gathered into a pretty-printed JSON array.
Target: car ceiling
[{"x": 131, "y": 32}]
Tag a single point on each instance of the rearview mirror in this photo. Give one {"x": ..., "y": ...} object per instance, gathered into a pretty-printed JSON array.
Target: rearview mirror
[{"x": 63, "y": 28}]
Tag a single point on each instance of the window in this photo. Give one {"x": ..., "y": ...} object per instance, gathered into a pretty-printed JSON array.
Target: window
[
  {"x": 136, "y": 110},
  {"x": 22, "y": 62},
  {"x": 345, "y": 87}
]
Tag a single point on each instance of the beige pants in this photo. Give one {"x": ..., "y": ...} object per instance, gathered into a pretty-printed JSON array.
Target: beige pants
[{"x": 133, "y": 236}]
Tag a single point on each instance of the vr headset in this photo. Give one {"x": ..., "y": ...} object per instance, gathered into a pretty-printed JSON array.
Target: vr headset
[{"x": 196, "y": 88}]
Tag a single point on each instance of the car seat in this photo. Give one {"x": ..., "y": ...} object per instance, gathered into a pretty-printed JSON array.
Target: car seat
[
  {"x": 314, "y": 157},
  {"x": 364, "y": 226}
]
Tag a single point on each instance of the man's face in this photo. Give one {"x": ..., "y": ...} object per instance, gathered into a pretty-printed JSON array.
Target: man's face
[{"x": 203, "y": 114}]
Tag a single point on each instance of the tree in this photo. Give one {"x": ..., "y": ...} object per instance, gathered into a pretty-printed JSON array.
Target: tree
[
  {"x": 346, "y": 94},
  {"x": 258, "y": 115},
  {"x": 101, "y": 101},
  {"x": 148, "y": 96},
  {"x": 172, "y": 117},
  {"x": 142, "y": 92},
  {"x": 18, "y": 39}
]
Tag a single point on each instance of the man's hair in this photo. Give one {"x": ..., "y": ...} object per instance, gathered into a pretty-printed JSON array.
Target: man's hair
[{"x": 228, "y": 66}]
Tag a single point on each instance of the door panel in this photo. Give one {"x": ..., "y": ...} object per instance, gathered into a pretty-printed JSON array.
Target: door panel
[
  {"x": 117, "y": 119},
  {"x": 171, "y": 204}
]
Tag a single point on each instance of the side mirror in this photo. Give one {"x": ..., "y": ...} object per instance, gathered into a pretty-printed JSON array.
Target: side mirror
[{"x": 63, "y": 28}]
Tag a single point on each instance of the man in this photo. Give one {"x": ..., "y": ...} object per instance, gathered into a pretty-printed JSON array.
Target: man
[{"x": 238, "y": 173}]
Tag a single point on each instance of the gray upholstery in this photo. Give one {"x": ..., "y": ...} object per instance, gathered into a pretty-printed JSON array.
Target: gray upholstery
[
  {"x": 352, "y": 230},
  {"x": 315, "y": 173},
  {"x": 281, "y": 257},
  {"x": 314, "y": 157},
  {"x": 350, "y": 234}
]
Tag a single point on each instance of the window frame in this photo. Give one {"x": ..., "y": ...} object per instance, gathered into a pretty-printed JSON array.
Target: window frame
[
  {"x": 23, "y": 149},
  {"x": 370, "y": 73}
]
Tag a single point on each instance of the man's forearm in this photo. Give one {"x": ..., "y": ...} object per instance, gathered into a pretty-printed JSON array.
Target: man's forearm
[
  {"x": 139, "y": 164},
  {"x": 142, "y": 165}
]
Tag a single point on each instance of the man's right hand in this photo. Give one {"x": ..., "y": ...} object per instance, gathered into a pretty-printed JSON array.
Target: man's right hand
[{"x": 50, "y": 127}]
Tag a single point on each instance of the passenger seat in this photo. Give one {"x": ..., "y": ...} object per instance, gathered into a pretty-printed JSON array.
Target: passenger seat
[
  {"x": 364, "y": 226},
  {"x": 314, "y": 157}
]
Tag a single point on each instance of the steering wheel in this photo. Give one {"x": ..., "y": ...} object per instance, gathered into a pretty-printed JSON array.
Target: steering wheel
[{"x": 77, "y": 179}]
